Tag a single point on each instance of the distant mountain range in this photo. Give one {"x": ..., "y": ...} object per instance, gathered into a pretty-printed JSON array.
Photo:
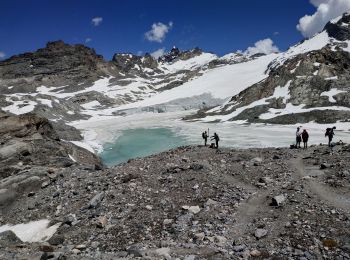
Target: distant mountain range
[{"x": 308, "y": 82}]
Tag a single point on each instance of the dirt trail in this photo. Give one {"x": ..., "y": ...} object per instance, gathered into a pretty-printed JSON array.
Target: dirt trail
[
  {"x": 257, "y": 204},
  {"x": 249, "y": 210},
  {"x": 322, "y": 191}
]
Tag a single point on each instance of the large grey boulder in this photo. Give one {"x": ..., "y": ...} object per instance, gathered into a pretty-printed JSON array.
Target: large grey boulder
[
  {"x": 8, "y": 238},
  {"x": 278, "y": 200}
]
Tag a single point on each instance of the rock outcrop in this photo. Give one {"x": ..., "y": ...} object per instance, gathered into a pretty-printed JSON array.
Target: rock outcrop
[
  {"x": 29, "y": 140},
  {"x": 339, "y": 30},
  {"x": 175, "y": 54},
  {"x": 129, "y": 63}
]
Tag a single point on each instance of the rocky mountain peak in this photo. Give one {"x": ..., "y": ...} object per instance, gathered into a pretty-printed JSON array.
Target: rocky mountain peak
[
  {"x": 170, "y": 56},
  {"x": 340, "y": 29},
  {"x": 176, "y": 54},
  {"x": 62, "y": 47},
  {"x": 69, "y": 63},
  {"x": 175, "y": 51},
  {"x": 56, "y": 45},
  {"x": 126, "y": 62}
]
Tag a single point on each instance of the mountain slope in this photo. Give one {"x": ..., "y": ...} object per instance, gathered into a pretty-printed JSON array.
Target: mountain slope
[
  {"x": 70, "y": 82},
  {"x": 309, "y": 82}
]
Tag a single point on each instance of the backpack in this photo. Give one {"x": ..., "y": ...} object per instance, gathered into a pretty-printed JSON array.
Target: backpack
[
  {"x": 305, "y": 135},
  {"x": 328, "y": 131},
  {"x": 203, "y": 135}
]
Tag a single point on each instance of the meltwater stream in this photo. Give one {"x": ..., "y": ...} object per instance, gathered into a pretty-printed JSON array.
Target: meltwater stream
[{"x": 140, "y": 142}]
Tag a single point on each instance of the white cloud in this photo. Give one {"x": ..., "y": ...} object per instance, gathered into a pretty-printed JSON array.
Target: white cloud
[
  {"x": 158, "y": 32},
  {"x": 2, "y": 55},
  {"x": 327, "y": 10},
  {"x": 96, "y": 21},
  {"x": 265, "y": 46},
  {"x": 88, "y": 40},
  {"x": 156, "y": 54}
]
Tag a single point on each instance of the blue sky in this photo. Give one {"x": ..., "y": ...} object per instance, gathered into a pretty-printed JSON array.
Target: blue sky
[{"x": 219, "y": 26}]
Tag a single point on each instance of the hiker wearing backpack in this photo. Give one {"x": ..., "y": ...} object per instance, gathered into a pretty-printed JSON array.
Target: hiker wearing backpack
[
  {"x": 305, "y": 137},
  {"x": 205, "y": 137},
  {"x": 330, "y": 134},
  {"x": 217, "y": 139},
  {"x": 298, "y": 137}
]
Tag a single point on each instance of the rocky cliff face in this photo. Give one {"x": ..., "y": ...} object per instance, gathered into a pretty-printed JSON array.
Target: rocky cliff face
[
  {"x": 340, "y": 29},
  {"x": 129, "y": 63},
  {"x": 29, "y": 140},
  {"x": 311, "y": 86},
  {"x": 175, "y": 54}
]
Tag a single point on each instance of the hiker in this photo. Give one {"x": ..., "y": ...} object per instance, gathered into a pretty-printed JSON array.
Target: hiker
[
  {"x": 205, "y": 137},
  {"x": 305, "y": 137},
  {"x": 330, "y": 134},
  {"x": 298, "y": 137},
  {"x": 217, "y": 139}
]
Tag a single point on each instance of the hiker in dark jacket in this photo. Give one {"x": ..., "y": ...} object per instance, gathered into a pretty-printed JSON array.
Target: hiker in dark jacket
[
  {"x": 305, "y": 137},
  {"x": 330, "y": 134},
  {"x": 217, "y": 139},
  {"x": 298, "y": 137},
  {"x": 205, "y": 137}
]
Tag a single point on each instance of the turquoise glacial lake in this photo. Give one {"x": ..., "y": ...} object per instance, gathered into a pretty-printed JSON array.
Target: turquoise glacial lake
[{"x": 140, "y": 142}]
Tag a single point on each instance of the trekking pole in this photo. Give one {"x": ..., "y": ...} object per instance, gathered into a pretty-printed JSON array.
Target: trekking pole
[{"x": 208, "y": 132}]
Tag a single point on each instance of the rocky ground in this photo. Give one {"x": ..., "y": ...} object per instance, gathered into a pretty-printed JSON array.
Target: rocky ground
[{"x": 190, "y": 203}]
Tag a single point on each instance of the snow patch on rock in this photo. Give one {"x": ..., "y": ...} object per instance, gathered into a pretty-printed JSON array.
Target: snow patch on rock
[
  {"x": 83, "y": 145},
  {"x": 292, "y": 109},
  {"x": 34, "y": 231},
  {"x": 331, "y": 93},
  {"x": 19, "y": 107}
]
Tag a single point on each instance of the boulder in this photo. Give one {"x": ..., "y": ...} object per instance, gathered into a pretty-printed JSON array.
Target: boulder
[
  {"x": 192, "y": 209},
  {"x": 56, "y": 240},
  {"x": 96, "y": 200},
  {"x": 278, "y": 200},
  {"x": 136, "y": 250},
  {"x": 324, "y": 166},
  {"x": 260, "y": 233},
  {"x": 9, "y": 238}
]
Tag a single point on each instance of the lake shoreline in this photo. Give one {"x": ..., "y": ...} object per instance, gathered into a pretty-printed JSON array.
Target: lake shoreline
[{"x": 101, "y": 134}]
